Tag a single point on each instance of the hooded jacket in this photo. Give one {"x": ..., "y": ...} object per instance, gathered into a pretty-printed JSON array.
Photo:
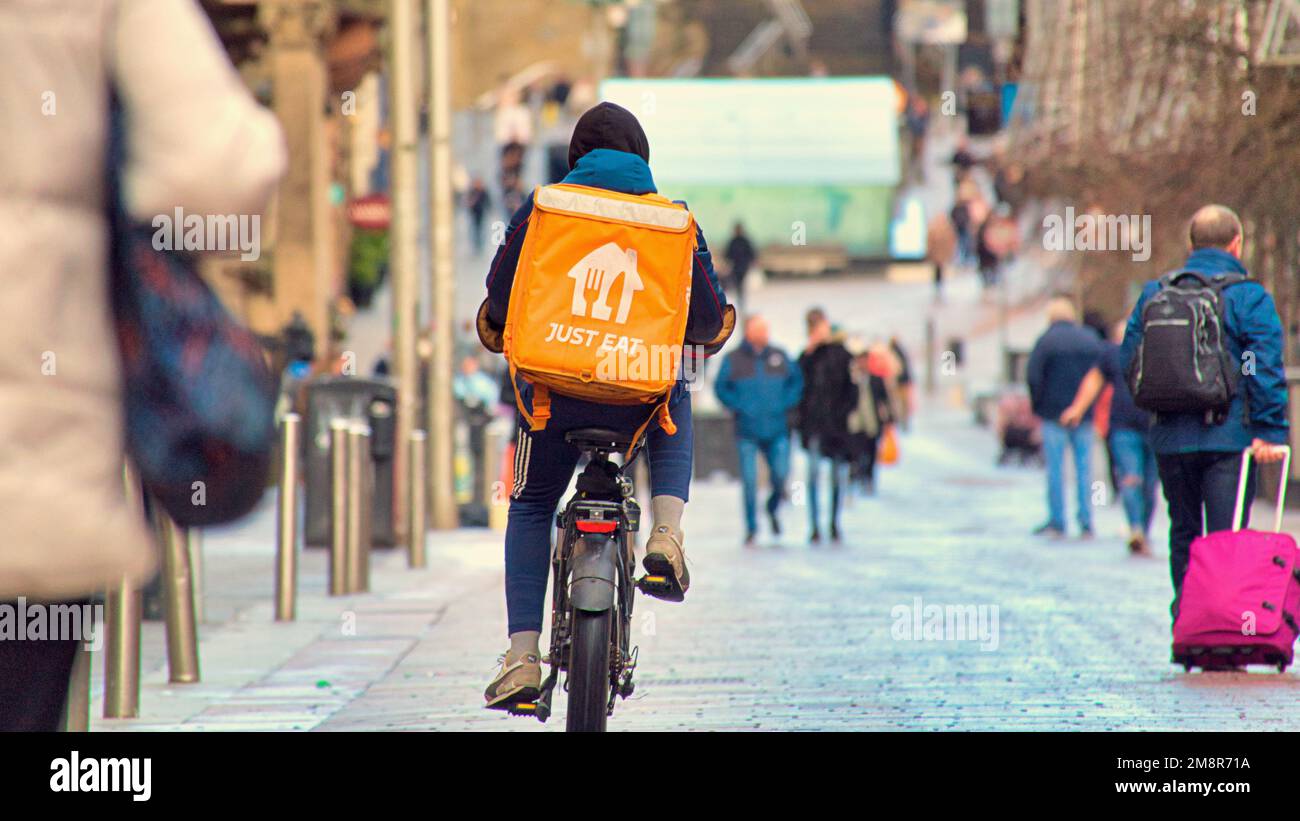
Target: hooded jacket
[
  {"x": 609, "y": 150},
  {"x": 1259, "y": 407}
]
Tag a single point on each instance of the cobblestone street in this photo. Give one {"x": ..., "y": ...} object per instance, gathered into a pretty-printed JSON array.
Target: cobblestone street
[{"x": 782, "y": 636}]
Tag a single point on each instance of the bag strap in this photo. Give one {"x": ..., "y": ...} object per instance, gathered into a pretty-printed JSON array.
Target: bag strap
[
  {"x": 1170, "y": 279},
  {"x": 665, "y": 418},
  {"x": 541, "y": 413},
  {"x": 1216, "y": 282},
  {"x": 1241, "y": 488}
]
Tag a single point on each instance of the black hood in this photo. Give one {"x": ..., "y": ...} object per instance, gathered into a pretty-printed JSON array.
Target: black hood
[{"x": 608, "y": 126}]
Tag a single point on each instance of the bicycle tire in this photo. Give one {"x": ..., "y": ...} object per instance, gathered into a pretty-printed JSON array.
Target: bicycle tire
[{"x": 589, "y": 672}]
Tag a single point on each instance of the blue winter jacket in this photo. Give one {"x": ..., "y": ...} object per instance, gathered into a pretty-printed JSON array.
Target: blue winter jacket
[
  {"x": 1061, "y": 358},
  {"x": 1259, "y": 408},
  {"x": 760, "y": 387},
  {"x": 628, "y": 174}
]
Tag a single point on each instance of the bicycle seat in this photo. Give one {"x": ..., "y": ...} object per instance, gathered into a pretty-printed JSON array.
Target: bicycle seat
[{"x": 599, "y": 439}]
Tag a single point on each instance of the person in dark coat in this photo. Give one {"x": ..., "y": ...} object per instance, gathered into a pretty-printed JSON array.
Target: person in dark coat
[
  {"x": 1061, "y": 358},
  {"x": 829, "y": 396},
  {"x": 868, "y": 420},
  {"x": 740, "y": 257},
  {"x": 760, "y": 385}
]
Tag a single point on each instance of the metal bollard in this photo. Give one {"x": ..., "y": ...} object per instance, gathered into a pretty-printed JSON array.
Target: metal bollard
[
  {"x": 418, "y": 525},
  {"x": 357, "y": 524},
  {"x": 338, "y": 506},
  {"x": 178, "y": 598},
  {"x": 123, "y": 608},
  {"x": 76, "y": 711},
  {"x": 286, "y": 541}
]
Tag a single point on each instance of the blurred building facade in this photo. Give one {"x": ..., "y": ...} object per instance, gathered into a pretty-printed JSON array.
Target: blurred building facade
[{"x": 320, "y": 65}]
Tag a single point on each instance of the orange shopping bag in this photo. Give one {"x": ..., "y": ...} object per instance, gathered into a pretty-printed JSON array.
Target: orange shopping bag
[{"x": 889, "y": 446}]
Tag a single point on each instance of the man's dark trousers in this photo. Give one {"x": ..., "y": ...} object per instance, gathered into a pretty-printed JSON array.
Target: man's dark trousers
[{"x": 1193, "y": 480}]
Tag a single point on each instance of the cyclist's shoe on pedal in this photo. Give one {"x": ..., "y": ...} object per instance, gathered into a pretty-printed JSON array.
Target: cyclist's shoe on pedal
[
  {"x": 518, "y": 680},
  {"x": 665, "y": 565}
]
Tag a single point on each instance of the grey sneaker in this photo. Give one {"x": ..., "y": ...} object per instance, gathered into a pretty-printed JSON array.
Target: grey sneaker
[{"x": 518, "y": 679}]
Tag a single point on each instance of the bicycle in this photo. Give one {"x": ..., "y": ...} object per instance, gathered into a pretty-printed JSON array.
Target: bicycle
[{"x": 592, "y": 590}]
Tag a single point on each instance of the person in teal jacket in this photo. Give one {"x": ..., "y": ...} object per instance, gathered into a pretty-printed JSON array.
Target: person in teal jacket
[{"x": 760, "y": 384}]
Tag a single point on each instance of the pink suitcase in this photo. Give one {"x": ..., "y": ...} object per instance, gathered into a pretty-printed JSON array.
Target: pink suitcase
[{"x": 1241, "y": 596}]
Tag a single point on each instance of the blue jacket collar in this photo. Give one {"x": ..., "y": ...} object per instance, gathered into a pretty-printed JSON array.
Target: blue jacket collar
[
  {"x": 1214, "y": 261},
  {"x": 613, "y": 170}
]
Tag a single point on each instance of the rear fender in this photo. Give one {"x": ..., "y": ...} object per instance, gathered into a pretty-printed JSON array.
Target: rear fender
[{"x": 595, "y": 573}]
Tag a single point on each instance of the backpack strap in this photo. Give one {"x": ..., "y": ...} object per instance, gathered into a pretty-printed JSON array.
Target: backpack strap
[
  {"x": 665, "y": 418},
  {"x": 1220, "y": 282},
  {"x": 541, "y": 413},
  {"x": 1170, "y": 279},
  {"x": 1217, "y": 282}
]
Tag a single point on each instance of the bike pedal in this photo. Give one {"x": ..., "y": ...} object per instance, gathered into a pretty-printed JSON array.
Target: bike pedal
[{"x": 534, "y": 709}]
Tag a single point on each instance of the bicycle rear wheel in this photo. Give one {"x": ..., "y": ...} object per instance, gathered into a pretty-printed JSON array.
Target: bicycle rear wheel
[{"x": 589, "y": 672}]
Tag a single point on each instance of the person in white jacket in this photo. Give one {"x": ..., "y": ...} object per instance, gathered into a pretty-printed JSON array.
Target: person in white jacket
[{"x": 196, "y": 140}]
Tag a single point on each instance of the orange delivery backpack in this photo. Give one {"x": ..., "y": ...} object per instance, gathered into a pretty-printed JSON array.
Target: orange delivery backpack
[{"x": 599, "y": 303}]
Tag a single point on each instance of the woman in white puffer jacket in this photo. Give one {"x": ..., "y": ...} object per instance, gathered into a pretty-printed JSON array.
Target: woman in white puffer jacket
[{"x": 197, "y": 140}]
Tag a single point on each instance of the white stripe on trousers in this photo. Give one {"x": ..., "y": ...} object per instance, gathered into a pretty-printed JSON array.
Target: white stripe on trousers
[{"x": 523, "y": 450}]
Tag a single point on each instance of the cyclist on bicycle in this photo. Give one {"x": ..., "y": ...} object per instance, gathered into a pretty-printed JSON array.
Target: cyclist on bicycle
[{"x": 608, "y": 150}]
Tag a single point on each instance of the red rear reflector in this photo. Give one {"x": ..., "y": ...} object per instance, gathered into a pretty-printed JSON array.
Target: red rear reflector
[{"x": 589, "y": 526}]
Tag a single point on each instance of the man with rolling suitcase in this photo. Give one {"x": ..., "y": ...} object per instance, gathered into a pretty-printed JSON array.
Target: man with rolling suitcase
[{"x": 1203, "y": 352}]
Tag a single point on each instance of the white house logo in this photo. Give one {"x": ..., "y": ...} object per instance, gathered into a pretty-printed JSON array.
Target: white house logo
[{"x": 598, "y": 270}]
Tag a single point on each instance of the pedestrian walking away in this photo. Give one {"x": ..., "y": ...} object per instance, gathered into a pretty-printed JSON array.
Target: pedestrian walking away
[
  {"x": 1059, "y": 361},
  {"x": 760, "y": 385},
  {"x": 872, "y": 416},
  {"x": 1129, "y": 436},
  {"x": 1198, "y": 447},
  {"x": 740, "y": 257}
]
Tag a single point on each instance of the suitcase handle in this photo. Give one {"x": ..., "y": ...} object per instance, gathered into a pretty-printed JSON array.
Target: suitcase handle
[{"x": 1241, "y": 488}]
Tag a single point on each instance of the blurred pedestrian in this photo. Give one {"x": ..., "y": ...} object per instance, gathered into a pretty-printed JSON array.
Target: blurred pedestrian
[
  {"x": 940, "y": 248},
  {"x": 760, "y": 385},
  {"x": 868, "y": 419},
  {"x": 1061, "y": 357},
  {"x": 918, "y": 122},
  {"x": 198, "y": 142},
  {"x": 1128, "y": 435},
  {"x": 740, "y": 256},
  {"x": 1199, "y": 458},
  {"x": 963, "y": 160},
  {"x": 477, "y": 203},
  {"x": 829, "y": 395},
  {"x": 906, "y": 388}
]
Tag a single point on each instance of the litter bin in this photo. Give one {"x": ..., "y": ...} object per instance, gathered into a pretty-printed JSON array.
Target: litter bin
[{"x": 372, "y": 402}]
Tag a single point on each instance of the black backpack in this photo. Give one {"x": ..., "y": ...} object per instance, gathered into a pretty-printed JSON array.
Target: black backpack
[{"x": 1182, "y": 364}]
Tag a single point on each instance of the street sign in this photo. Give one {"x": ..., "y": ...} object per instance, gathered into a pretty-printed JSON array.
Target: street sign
[{"x": 374, "y": 211}]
